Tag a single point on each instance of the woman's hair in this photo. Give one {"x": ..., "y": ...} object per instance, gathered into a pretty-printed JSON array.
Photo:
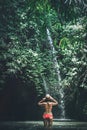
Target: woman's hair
[{"x": 47, "y": 100}]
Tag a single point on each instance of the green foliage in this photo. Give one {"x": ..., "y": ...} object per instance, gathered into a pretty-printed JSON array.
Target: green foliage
[
  {"x": 64, "y": 43},
  {"x": 73, "y": 53},
  {"x": 69, "y": 10},
  {"x": 25, "y": 51}
]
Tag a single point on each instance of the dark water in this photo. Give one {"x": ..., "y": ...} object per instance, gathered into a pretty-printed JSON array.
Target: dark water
[{"x": 39, "y": 126}]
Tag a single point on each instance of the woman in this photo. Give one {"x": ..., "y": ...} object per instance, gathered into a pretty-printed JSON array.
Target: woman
[{"x": 48, "y": 102}]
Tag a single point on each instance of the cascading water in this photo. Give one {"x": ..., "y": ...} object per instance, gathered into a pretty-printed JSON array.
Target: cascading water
[
  {"x": 56, "y": 67},
  {"x": 45, "y": 86}
]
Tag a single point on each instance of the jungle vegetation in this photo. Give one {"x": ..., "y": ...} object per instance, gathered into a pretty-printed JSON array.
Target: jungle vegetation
[{"x": 25, "y": 55}]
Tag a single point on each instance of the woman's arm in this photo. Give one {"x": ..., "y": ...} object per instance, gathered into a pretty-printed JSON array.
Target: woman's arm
[
  {"x": 54, "y": 101},
  {"x": 41, "y": 101}
]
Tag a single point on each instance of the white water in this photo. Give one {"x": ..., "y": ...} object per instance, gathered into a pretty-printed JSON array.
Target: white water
[
  {"x": 45, "y": 86},
  {"x": 56, "y": 67}
]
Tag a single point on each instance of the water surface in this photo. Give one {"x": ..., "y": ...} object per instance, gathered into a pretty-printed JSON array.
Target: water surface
[{"x": 38, "y": 125}]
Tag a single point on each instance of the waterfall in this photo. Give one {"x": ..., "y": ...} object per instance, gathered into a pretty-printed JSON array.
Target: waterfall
[
  {"x": 45, "y": 85},
  {"x": 56, "y": 67}
]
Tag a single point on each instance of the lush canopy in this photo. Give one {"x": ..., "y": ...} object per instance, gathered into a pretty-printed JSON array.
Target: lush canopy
[{"x": 25, "y": 50}]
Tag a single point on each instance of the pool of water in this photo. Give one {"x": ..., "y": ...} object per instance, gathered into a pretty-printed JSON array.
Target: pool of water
[{"x": 38, "y": 125}]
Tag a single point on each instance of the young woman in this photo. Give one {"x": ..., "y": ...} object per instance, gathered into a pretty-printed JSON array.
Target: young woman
[{"x": 48, "y": 102}]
